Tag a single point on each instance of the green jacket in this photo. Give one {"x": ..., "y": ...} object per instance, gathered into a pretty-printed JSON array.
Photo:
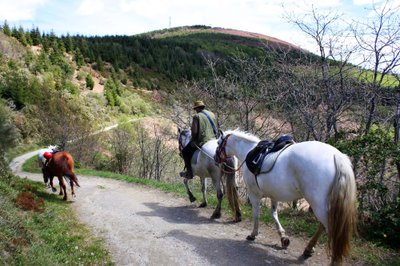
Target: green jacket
[{"x": 204, "y": 128}]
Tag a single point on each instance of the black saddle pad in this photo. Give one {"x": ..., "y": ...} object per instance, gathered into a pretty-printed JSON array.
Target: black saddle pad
[{"x": 255, "y": 158}]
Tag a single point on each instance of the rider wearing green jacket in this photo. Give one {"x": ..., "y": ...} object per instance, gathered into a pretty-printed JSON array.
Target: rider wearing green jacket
[{"x": 204, "y": 128}]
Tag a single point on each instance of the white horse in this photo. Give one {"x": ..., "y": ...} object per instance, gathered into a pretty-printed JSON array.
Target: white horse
[
  {"x": 203, "y": 166},
  {"x": 312, "y": 170}
]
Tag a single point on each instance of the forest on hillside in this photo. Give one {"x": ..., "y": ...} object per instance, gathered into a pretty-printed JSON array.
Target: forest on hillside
[{"x": 261, "y": 88}]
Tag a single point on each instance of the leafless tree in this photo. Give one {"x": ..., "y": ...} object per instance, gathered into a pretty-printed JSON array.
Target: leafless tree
[
  {"x": 379, "y": 43},
  {"x": 330, "y": 38},
  {"x": 155, "y": 157},
  {"x": 121, "y": 146}
]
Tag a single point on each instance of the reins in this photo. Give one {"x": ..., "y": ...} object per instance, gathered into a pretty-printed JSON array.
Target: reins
[
  {"x": 224, "y": 163},
  {"x": 233, "y": 169}
]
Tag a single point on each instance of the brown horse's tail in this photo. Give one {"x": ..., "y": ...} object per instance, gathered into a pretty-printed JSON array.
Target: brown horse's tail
[
  {"x": 68, "y": 168},
  {"x": 231, "y": 191},
  {"x": 342, "y": 216}
]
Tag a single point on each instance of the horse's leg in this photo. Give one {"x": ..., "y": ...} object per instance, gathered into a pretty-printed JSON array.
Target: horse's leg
[
  {"x": 203, "y": 181},
  {"x": 51, "y": 184},
  {"x": 63, "y": 187},
  {"x": 274, "y": 211},
  {"x": 309, "y": 250},
  {"x": 217, "y": 184},
  {"x": 72, "y": 189},
  {"x": 188, "y": 191},
  {"x": 255, "y": 204}
]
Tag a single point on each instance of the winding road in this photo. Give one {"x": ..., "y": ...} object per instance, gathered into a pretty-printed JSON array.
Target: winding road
[{"x": 143, "y": 226}]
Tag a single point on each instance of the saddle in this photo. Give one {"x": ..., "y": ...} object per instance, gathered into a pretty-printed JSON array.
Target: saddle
[{"x": 257, "y": 157}]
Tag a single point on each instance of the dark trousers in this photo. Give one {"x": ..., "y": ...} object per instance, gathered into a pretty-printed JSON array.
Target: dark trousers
[{"x": 187, "y": 154}]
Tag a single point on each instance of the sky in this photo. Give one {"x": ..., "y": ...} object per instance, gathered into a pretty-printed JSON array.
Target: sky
[{"x": 129, "y": 17}]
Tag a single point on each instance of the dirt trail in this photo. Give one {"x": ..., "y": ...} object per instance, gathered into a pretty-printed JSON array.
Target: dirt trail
[{"x": 143, "y": 226}]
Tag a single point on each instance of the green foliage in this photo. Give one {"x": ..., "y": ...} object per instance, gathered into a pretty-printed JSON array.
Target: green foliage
[
  {"x": 112, "y": 92},
  {"x": 132, "y": 103},
  {"x": 19, "y": 34},
  {"x": 35, "y": 36},
  {"x": 374, "y": 157},
  {"x": 19, "y": 85},
  {"x": 6, "y": 28},
  {"x": 385, "y": 223},
  {"x": 9, "y": 134},
  {"x": 78, "y": 58},
  {"x": 89, "y": 82},
  {"x": 71, "y": 87}
]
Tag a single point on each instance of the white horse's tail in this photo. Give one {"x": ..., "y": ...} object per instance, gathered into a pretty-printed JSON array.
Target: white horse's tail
[
  {"x": 231, "y": 191},
  {"x": 342, "y": 217}
]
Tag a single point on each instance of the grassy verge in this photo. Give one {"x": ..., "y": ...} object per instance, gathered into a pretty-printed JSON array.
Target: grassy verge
[
  {"x": 39, "y": 229},
  {"x": 296, "y": 223}
]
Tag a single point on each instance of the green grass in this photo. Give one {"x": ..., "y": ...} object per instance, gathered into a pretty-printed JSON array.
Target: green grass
[{"x": 50, "y": 236}]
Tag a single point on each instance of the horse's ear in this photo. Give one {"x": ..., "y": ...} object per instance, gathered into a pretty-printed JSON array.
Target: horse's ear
[
  {"x": 179, "y": 130},
  {"x": 220, "y": 133}
]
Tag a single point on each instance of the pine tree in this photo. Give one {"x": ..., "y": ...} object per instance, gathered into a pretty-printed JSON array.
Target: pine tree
[
  {"x": 36, "y": 37},
  {"x": 6, "y": 28}
]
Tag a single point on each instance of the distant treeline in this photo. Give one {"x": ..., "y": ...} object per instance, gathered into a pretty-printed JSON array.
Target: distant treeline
[{"x": 179, "y": 57}]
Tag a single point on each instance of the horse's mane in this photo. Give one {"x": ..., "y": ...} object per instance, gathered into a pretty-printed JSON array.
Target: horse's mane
[{"x": 242, "y": 134}]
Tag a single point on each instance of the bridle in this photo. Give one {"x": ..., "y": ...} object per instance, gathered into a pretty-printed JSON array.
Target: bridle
[
  {"x": 221, "y": 157},
  {"x": 220, "y": 153}
]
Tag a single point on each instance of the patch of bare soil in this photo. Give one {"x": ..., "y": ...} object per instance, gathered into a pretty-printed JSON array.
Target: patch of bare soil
[
  {"x": 144, "y": 226},
  {"x": 254, "y": 35}
]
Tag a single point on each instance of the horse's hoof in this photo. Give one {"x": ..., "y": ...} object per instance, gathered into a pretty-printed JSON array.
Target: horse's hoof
[
  {"x": 54, "y": 189},
  {"x": 203, "y": 205},
  {"x": 308, "y": 253},
  {"x": 215, "y": 216},
  {"x": 285, "y": 242},
  {"x": 238, "y": 219},
  {"x": 192, "y": 199},
  {"x": 251, "y": 238}
]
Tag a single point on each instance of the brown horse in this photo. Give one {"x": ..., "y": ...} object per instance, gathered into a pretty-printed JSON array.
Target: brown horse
[{"x": 61, "y": 165}]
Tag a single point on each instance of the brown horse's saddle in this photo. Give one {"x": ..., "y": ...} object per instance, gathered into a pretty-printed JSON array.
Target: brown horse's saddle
[{"x": 265, "y": 154}]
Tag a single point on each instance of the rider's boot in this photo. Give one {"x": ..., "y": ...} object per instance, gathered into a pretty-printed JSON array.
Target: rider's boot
[{"x": 187, "y": 174}]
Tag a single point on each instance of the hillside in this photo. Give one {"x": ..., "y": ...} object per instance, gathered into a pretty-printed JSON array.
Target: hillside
[
  {"x": 156, "y": 59},
  {"x": 249, "y": 36}
]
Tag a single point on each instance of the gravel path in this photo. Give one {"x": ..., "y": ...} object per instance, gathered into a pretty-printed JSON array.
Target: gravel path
[{"x": 143, "y": 226}]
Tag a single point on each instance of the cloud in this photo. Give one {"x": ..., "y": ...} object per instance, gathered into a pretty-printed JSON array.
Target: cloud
[
  {"x": 90, "y": 7},
  {"x": 12, "y": 10}
]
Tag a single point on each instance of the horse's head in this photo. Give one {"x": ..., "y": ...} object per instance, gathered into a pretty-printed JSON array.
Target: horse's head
[
  {"x": 220, "y": 153},
  {"x": 184, "y": 138}
]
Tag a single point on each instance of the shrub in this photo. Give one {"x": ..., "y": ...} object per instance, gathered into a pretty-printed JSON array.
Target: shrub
[
  {"x": 89, "y": 82},
  {"x": 374, "y": 158}
]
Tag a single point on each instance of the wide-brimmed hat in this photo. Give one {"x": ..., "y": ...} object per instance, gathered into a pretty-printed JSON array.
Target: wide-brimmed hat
[{"x": 198, "y": 104}]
